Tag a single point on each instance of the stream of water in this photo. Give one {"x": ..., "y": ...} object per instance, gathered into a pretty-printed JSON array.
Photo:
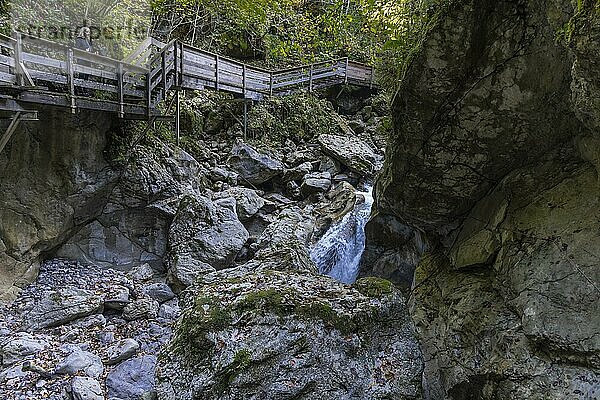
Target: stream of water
[{"x": 338, "y": 252}]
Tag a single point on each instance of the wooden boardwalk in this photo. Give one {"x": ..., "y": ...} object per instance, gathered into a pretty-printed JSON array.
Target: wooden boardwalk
[{"x": 37, "y": 71}]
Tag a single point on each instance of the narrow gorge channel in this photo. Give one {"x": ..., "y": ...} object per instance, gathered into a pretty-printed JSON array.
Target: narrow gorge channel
[{"x": 430, "y": 234}]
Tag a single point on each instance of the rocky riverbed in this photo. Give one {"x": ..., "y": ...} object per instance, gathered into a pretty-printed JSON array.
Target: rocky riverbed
[{"x": 231, "y": 224}]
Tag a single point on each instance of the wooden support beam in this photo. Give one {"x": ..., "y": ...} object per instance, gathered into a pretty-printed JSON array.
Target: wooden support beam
[
  {"x": 245, "y": 118},
  {"x": 11, "y": 129},
  {"x": 177, "y": 111},
  {"x": 310, "y": 78},
  {"x": 148, "y": 94}
]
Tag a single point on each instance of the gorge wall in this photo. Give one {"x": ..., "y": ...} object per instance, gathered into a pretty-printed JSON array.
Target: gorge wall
[
  {"x": 53, "y": 178},
  {"x": 489, "y": 193}
]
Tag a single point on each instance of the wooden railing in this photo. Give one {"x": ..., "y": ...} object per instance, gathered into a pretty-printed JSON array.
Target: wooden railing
[{"x": 135, "y": 86}]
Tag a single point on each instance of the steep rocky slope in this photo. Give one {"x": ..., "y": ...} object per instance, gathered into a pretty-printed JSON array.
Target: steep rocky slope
[
  {"x": 490, "y": 192},
  {"x": 121, "y": 229}
]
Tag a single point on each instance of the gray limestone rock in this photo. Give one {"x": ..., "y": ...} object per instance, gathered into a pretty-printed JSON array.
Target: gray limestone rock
[
  {"x": 143, "y": 308},
  {"x": 121, "y": 350},
  {"x": 207, "y": 232},
  {"x": 160, "y": 292},
  {"x": 290, "y": 335},
  {"x": 253, "y": 167},
  {"x": 316, "y": 182},
  {"x": 80, "y": 361},
  {"x": 350, "y": 151},
  {"x": 20, "y": 346},
  {"x": 83, "y": 388},
  {"x": 132, "y": 379},
  {"x": 57, "y": 307}
]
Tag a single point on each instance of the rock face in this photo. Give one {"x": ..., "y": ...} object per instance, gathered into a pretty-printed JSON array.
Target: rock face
[
  {"x": 350, "y": 151},
  {"x": 133, "y": 227},
  {"x": 207, "y": 232},
  {"x": 253, "y": 167},
  {"x": 281, "y": 335},
  {"x": 53, "y": 178},
  {"x": 494, "y": 162}
]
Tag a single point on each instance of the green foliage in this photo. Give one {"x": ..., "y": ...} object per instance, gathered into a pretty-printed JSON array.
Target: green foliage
[
  {"x": 276, "y": 31},
  {"x": 117, "y": 27},
  {"x": 405, "y": 24},
  {"x": 297, "y": 117},
  {"x": 586, "y": 15}
]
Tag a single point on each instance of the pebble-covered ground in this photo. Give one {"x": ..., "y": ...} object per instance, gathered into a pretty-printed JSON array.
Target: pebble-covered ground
[{"x": 85, "y": 333}]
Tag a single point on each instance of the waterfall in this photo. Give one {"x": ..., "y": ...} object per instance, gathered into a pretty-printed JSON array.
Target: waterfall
[{"x": 338, "y": 252}]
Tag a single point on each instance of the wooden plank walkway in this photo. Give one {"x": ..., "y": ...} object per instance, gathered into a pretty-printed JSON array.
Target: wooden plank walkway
[{"x": 38, "y": 71}]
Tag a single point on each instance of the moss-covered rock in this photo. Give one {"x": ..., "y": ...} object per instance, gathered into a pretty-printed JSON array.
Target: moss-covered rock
[{"x": 292, "y": 334}]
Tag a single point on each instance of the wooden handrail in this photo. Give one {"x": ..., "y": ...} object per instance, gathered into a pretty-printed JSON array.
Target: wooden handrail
[{"x": 175, "y": 64}]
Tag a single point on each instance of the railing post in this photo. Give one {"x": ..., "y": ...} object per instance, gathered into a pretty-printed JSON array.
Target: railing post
[
  {"x": 181, "y": 64},
  {"x": 163, "y": 62},
  {"x": 19, "y": 58},
  {"x": 71, "y": 78},
  {"x": 148, "y": 94},
  {"x": 120, "y": 89},
  {"x": 271, "y": 84},
  {"x": 310, "y": 78},
  {"x": 372, "y": 78},
  {"x": 244, "y": 81},
  {"x": 175, "y": 64},
  {"x": 346, "y": 72},
  {"x": 216, "y": 72}
]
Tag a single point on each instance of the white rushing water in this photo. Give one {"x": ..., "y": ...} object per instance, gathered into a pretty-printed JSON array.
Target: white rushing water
[{"x": 338, "y": 252}]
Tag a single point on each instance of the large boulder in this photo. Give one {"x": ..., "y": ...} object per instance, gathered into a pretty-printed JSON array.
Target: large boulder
[
  {"x": 132, "y": 379},
  {"x": 350, "y": 151},
  {"x": 490, "y": 189},
  {"x": 253, "y": 167},
  {"x": 207, "y": 232},
  {"x": 248, "y": 202},
  {"x": 133, "y": 226},
  {"x": 290, "y": 335},
  {"x": 315, "y": 182},
  {"x": 19, "y": 347}
]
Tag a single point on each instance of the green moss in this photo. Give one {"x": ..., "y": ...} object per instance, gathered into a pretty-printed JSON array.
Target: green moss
[
  {"x": 207, "y": 314},
  {"x": 587, "y": 14},
  {"x": 269, "y": 300},
  {"x": 242, "y": 358},
  {"x": 325, "y": 313},
  {"x": 374, "y": 287}
]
